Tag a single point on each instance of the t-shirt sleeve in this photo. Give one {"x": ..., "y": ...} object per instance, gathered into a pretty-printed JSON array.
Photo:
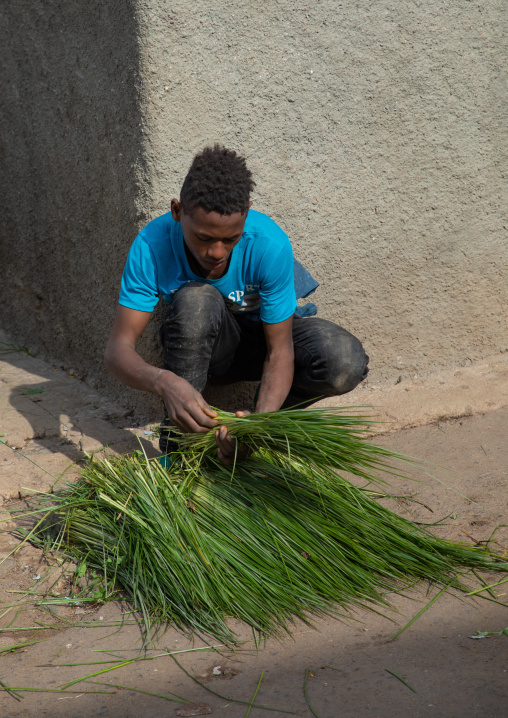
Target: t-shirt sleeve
[
  {"x": 139, "y": 280},
  {"x": 277, "y": 286}
]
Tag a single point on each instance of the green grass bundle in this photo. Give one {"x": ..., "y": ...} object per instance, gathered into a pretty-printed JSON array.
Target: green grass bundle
[{"x": 282, "y": 534}]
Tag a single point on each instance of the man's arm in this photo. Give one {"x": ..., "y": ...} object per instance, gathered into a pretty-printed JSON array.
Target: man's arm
[
  {"x": 278, "y": 367},
  {"x": 186, "y": 407},
  {"x": 275, "y": 383}
]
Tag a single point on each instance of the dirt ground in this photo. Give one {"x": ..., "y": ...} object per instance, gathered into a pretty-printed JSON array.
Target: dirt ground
[{"x": 48, "y": 418}]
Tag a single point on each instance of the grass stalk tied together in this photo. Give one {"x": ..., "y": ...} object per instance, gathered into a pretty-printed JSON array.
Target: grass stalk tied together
[{"x": 281, "y": 535}]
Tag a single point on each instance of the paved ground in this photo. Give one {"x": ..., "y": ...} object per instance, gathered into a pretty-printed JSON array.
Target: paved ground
[{"x": 49, "y": 418}]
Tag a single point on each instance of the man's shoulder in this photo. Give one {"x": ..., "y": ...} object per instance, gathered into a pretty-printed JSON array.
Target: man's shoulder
[
  {"x": 158, "y": 230},
  {"x": 260, "y": 224},
  {"x": 264, "y": 238}
]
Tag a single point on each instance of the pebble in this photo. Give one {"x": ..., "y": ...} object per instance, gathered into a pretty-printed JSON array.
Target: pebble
[{"x": 194, "y": 709}]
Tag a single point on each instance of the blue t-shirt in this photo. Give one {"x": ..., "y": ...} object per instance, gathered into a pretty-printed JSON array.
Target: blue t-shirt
[{"x": 259, "y": 280}]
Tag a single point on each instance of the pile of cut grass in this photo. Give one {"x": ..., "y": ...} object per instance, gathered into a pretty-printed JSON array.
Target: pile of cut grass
[{"x": 281, "y": 535}]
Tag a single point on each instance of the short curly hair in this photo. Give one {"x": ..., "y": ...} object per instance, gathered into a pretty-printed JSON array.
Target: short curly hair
[{"x": 218, "y": 181}]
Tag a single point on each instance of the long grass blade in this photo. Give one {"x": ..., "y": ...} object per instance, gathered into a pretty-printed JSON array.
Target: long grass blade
[
  {"x": 11, "y": 691},
  {"x": 400, "y": 679},
  {"x": 49, "y": 690},
  {"x": 487, "y": 588},
  {"x": 177, "y": 699},
  {"x": 307, "y": 700},
  {"x": 425, "y": 608},
  {"x": 64, "y": 686},
  {"x": 254, "y": 696},
  {"x": 226, "y": 698},
  {"x": 8, "y": 649}
]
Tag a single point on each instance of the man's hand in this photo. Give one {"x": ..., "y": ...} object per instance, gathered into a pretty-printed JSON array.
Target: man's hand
[
  {"x": 228, "y": 446},
  {"x": 187, "y": 410}
]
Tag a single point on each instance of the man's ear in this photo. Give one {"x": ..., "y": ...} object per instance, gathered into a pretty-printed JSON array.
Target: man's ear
[{"x": 176, "y": 209}]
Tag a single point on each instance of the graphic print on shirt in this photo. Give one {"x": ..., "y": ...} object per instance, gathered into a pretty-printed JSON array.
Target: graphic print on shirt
[{"x": 244, "y": 301}]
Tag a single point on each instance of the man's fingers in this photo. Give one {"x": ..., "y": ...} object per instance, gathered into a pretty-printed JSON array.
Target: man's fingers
[
  {"x": 200, "y": 418},
  {"x": 188, "y": 426},
  {"x": 228, "y": 448},
  {"x": 193, "y": 421},
  {"x": 226, "y": 460},
  {"x": 209, "y": 411},
  {"x": 226, "y": 444},
  {"x": 187, "y": 409}
]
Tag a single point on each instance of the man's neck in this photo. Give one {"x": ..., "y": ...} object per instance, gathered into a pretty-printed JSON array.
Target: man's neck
[{"x": 198, "y": 269}]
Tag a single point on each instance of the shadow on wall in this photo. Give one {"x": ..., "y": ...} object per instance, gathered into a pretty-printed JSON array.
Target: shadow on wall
[
  {"x": 73, "y": 169},
  {"x": 73, "y": 183}
]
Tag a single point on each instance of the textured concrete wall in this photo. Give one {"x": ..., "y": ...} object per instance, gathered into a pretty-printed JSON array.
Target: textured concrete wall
[{"x": 374, "y": 129}]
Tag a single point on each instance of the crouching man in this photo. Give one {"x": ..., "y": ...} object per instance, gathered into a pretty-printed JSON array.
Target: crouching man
[{"x": 226, "y": 274}]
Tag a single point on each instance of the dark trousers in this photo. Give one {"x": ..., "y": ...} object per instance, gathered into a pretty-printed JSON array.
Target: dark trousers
[{"x": 204, "y": 342}]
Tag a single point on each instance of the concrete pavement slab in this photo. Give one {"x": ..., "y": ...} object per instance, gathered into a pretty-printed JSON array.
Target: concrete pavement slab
[{"x": 449, "y": 394}]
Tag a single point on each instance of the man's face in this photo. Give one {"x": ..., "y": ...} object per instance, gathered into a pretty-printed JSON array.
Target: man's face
[{"x": 210, "y": 237}]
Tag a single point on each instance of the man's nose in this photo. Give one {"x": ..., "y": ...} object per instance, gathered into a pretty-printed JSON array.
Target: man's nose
[{"x": 216, "y": 250}]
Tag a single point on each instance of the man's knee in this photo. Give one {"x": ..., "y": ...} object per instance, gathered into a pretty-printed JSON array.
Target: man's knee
[
  {"x": 346, "y": 363},
  {"x": 348, "y": 367},
  {"x": 197, "y": 298},
  {"x": 197, "y": 309}
]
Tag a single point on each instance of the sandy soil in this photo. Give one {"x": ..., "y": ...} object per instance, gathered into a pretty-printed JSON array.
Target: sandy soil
[{"x": 348, "y": 662}]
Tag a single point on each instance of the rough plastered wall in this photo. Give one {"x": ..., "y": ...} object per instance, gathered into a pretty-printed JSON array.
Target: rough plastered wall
[{"x": 374, "y": 129}]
